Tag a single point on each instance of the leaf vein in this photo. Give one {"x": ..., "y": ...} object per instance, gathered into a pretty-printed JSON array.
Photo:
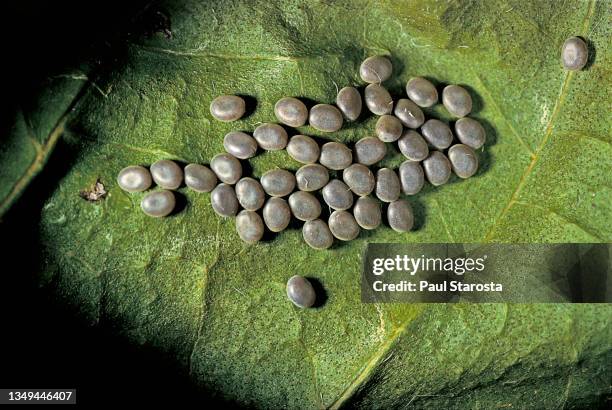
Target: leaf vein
[
  {"x": 207, "y": 270},
  {"x": 222, "y": 56},
  {"x": 563, "y": 218},
  {"x": 490, "y": 98},
  {"x": 567, "y": 77},
  {"x": 516, "y": 193},
  {"x": 42, "y": 154},
  {"x": 443, "y": 219}
]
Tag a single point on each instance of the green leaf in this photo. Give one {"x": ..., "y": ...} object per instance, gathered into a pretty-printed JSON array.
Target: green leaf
[
  {"x": 31, "y": 138},
  {"x": 187, "y": 285}
]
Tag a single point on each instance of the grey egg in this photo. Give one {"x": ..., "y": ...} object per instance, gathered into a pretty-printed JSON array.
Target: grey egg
[
  {"x": 278, "y": 182},
  {"x": 574, "y": 54},
  {"x": 303, "y": 149},
  {"x": 400, "y": 216},
  {"x": 378, "y": 100},
  {"x": 325, "y": 117},
  {"x": 312, "y": 177},
  {"x": 411, "y": 177},
  {"x": 158, "y": 203},
  {"x": 200, "y": 178},
  {"x": 343, "y": 226},
  {"x": 250, "y": 194},
  {"x": 304, "y": 206},
  {"x": 227, "y": 168},
  {"x": 134, "y": 179},
  {"x": 413, "y": 146},
  {"x": 271, "y": 137},
  {"x": 359, "y": 179},
  {"x": 370, "y": 150},
  {"x": 349, "y": 102},
  {"x": 291, "y": 111},
  {"x": 422, "y": 92},
  {"x": 457, "y": 100},
  {"x": 223, "y": 200},
  {"x": 375, "y": 69},
  {"x": 227, "y": 108},
  {"x": 437, "y": 168},
  {"x": 437, "y": 133},
  {"x": 335, "y": 155},
  {"x": 240, "y": 144},
  {"x": 387, "y": 185},
  {"x": 300, "y": 292},
  {"x": 388, "y": 128},
  {"x": 167, "y": 174},
  {"x": 367, "y": 212},
  {"x": 470, "y": 132},
  {"x": 337, "y": 195},
  {"x": 409, "y": 113},
  {"x": 317, "y": 234},
  {"x": 276, "y": 214},
  {"x": 249, "y": 226},
  {"x": 463, "y": 159}
]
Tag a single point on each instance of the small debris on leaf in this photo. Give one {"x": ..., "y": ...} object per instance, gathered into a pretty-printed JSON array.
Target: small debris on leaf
[{"x": 95, "y": 193}]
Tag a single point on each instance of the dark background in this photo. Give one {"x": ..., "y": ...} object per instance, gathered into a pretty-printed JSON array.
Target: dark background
[{"x": 41, "y": 344}]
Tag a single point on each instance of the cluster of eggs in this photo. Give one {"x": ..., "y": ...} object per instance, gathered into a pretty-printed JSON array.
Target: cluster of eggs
[
  {"x": 355, "y": 198},
  {"x": 430, "y": 155}
]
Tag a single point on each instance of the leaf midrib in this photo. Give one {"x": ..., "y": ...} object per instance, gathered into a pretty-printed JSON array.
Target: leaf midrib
[{"x": 567, "y": 77}]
